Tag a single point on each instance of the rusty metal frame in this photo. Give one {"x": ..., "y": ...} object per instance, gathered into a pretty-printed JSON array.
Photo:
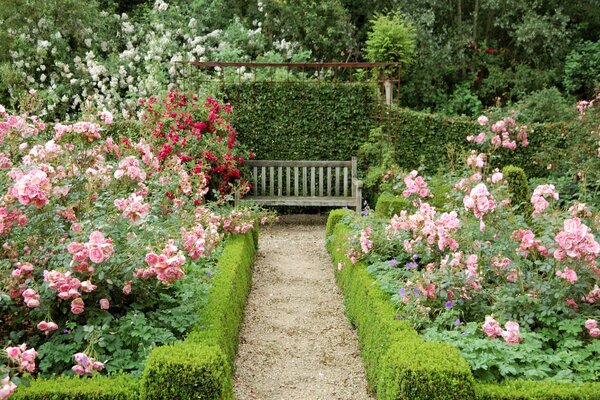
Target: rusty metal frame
[{"x": 192, "y": 75}]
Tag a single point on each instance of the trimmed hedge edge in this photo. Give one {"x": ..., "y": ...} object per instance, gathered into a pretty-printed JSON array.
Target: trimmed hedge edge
[
  {"x": 199, "y": 367},
  {"x": 202, "y": 366},
  {"x": 400, "y": 365}
]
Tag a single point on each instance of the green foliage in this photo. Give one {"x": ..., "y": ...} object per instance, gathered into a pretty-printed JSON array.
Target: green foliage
[
  {"x": 435, "y": 142},
  {"x": 116, "y": 387},
  {"x": 295, "y": 120},
  {"x": 463, "y": 101},
  {"x": 397, "y": 362},
  {"x": 546, "y": 105},
  {"x": 530, "y": 390},
  {"x": 392, "y": 39},
  {"x": 518, "y": 188},
  {"x": 202, "y": 365},
  {"x": 389, "y": 204},
  {"x": 335, "y": 217},
  {"x": 582, "y": 69},
  {"x": 187, "y": 371}
]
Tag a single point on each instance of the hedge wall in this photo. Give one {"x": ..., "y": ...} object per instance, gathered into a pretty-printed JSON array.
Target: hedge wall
[
  {"x": 328, "y": 121},
  {"x": 297, "y": 121},
  {"x": 400, "y": 365},
  {"x": 200, "y": 367}
]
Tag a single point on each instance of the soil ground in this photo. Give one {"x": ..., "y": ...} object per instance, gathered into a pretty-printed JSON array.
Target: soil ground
[{"x": 296, "y": 342}]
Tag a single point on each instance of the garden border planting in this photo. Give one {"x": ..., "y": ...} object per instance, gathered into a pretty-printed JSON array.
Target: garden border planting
[
  {"x": 201, "y": 366},
  {"x": 399, "y": 364}
]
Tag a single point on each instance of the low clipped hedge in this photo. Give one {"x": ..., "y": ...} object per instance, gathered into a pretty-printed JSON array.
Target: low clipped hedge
[
  {"x": 530, "y": 390},
  {"x": 400, "y": 365},
  {"x": 199, "y": 367},
  {"x": 202, "y": 366},
  {"x": 100, "y": 387}
]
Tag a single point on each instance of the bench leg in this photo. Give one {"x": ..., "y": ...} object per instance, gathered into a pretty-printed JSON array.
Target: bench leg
[{"x": 358, "y": 198}]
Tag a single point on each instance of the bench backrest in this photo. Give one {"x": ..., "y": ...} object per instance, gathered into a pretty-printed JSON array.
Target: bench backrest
[{"x": 302, "y": 178}]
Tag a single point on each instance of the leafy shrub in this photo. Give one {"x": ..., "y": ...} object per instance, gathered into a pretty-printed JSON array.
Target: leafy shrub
[
  {"x": 391, "y": 39},
  {"x": 581, "y": 69},
  {"x": 518, "y": 188},
  {"x": 463, "y": 101}
]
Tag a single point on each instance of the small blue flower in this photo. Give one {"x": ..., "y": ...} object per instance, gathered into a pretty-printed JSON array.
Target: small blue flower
[
  {"x": 416, "y": 291},
  {"x": 209, "y": 273},
  {"x": 393, "y": 262},
  {"x": 402, "y": 292},
  {"x": 411, "y": 265},
  {"x": 457, "y": 322},
  {"x": 365, "y": 212},
  {"x": 449, "y": 304},
  {"x": 398, "y": 316}
]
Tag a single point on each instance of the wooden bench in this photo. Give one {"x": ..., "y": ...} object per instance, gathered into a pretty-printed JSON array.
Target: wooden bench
[{"x": 304, "y": 183}]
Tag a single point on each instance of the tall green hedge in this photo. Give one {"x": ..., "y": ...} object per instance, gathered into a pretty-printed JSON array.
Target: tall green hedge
[
  {"x": 296, "y": 120},
  {"x": 428, "y": 139},
  {"x": 327, "y": 121}
]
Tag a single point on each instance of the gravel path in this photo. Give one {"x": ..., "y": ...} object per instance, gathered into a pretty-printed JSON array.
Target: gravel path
[{"x": 296, "y": 342}]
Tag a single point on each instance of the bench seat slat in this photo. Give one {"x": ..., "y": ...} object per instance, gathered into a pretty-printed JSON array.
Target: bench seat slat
[{"x": 303, "y": 201}]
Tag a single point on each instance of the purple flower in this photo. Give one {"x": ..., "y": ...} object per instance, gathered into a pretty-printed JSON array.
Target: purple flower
[
  {"x": 411, "y": 265},
  {"x": 416, "y": 291},
  {"x": 209, "y": 273},
  {"x": 398, "y": 316},
  {"x": 449, "y": 304},
  {"x": 393, "y": 262},
  {"x": 457, "y": 322},
  {"x": 402, "y": 292},
  {"x": 365, "y": 212}
]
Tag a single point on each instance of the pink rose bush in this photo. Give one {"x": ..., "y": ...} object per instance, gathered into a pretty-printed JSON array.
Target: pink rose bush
[
  {"x": 458, "y": 268},
  {"x": 103, "y": 238}
]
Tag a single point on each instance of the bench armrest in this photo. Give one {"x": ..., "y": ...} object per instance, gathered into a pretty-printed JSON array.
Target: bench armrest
[{"x": 358, "y": 185}]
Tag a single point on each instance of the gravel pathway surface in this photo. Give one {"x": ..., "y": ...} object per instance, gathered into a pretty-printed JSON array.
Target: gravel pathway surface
[{"x": 296, "y": 342}]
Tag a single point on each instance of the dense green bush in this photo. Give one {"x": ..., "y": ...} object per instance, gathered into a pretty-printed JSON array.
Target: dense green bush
[
  {"x": 202, "y": 365},
  {"x": 398, "y": 363},
  {"x": 388, "y": 204},
  {"x": 582, "y": 69},
  {"x": 120, "y": 387},
  {"x": 518, "y": 188},
  {"x": 296, "y": 120}
]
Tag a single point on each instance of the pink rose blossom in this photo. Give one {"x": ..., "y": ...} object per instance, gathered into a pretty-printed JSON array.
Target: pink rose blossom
[
  {"x": 567, "y": 274},
  {"x": 77, "y": 306},
  {"x": 591, "y": 324},
  {"x": 491, "y": 327},
  {"x": 482, "y": 120},
  {"x": 104, "y": 304}
]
